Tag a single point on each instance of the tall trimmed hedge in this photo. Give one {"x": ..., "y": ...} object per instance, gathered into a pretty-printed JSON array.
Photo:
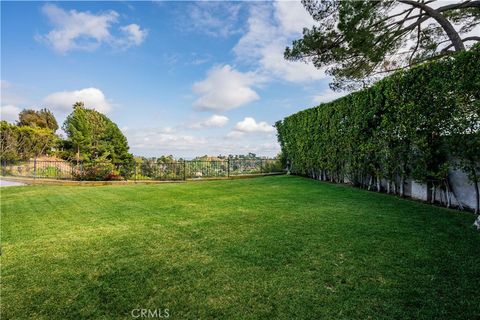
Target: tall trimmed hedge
[{"x": 416, "y": 123}]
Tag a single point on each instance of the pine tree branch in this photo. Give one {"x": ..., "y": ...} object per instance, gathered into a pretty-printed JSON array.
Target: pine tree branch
[
  {"x": 444, "y": 23},
  {"x": 472, "y": 38},
  {"x": 417, "y": 44}
]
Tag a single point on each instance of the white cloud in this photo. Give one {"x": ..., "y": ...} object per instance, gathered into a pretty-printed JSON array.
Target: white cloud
[
  {"x": 327, "y": 96},
  {"x": 74, "y": 30},
  {"x": 211, "y": 122},
  {"x": 134, "y": 34},
  {"x": 92, "y": 98},
  {"x": 73, "y": 25},
  {"x": 180, "y": 143},
  {"x": 260, "y": 32},
  {"x": 273, "y": 61},
  {"x": 269, "y": 32},
  {"x": 292, "y": 16},
  {"x": 163, "y": 141},
  {"x": 9, "y": 113},
  {"x": 234, "y": 134},
  {"x": 225, "y": 88},
  {"x": 212, "y": 18},
  {"x": 249, "y": 124},
  {"x": 270, "y": 28}
]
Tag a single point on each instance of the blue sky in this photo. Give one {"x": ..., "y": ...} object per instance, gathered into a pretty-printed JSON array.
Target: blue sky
[{"x": 181, "y": 78}]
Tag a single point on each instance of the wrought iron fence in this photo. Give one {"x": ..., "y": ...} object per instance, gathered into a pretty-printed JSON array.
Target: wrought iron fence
[{"x": 146, "y": 170}]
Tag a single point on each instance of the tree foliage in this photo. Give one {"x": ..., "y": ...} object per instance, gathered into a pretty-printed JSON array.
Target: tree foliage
[
  {"x": 34, "y": 135},
  {"x": 43, "y": 118},
  {"x": 416, "y": 123},
  {"x": 93, "y": 135},
  {"x": 25, "y": 142},
  {"x": 358, "y": 41}
]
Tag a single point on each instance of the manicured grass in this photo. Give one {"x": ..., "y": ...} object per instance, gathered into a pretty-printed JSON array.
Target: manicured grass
[{"x": 274, "y": 247}]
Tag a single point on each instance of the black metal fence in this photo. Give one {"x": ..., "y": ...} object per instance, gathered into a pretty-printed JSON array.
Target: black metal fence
[{"x": 145, "y": 170}]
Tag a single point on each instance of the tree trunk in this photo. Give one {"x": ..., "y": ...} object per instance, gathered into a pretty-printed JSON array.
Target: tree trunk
[
  {"x": 477, "y": 193},
  {"x": 460, "y": 206},
  {"x": 443, "y": 198},
  {"x": 402, "y": 186},
  {"x": 434, "y": 193},
  {"x": 448, "y": 194}
]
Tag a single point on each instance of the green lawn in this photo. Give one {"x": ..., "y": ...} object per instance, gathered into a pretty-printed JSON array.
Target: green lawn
[{"x": 275, "y": 247}]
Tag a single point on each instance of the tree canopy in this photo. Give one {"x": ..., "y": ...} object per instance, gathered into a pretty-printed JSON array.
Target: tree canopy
[
  {"x": 357, "y": 42},
  {"x": 25, "y": 142},
  {"x": 93, "y": 136},
  {"x": 43, "y": 118}
]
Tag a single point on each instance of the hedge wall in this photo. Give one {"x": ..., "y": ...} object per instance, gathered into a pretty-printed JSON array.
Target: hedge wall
[{"x": 416, "y": 123}]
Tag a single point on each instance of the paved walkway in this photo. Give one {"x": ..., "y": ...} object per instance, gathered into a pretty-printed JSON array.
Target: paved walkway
[{"x": 4, "y": 183}]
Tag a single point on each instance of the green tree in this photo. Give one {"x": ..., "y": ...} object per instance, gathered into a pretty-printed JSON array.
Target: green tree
[
  {"x": 43, "y": 118},
  {"x": 25, "y": 142},
  {"x": 93, "y": 135},
  {"x": 358, "y": 41},
  {"x": 8, "y": 142}
]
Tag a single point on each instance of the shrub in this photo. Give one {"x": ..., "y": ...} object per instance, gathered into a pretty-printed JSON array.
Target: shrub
[{"x": 410, "y": 124}]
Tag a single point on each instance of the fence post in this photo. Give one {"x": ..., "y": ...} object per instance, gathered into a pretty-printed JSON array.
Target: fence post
[
  {"x": 35, "y": 168},
  {"x": 228, "y": 167},
  {"x": 184, "y": 170}
]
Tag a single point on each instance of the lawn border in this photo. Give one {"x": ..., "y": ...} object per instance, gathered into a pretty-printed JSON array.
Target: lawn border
[
  {"x": 43, "y": 181},
  {"x": 456, "y": 208}
]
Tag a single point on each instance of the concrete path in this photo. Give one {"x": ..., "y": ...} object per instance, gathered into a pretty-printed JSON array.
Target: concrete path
[{"x": 4, "y": 183}]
